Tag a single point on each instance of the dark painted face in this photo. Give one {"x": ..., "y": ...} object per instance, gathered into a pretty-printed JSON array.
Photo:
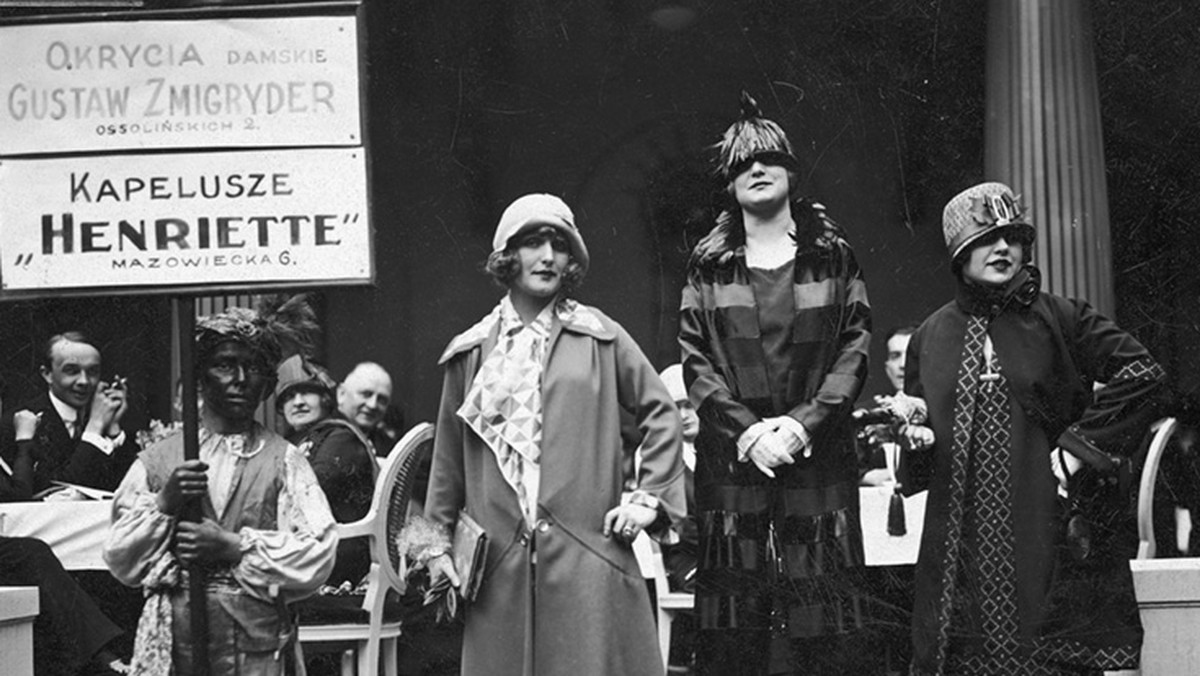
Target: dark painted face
[{"x": 233, "y": 381}]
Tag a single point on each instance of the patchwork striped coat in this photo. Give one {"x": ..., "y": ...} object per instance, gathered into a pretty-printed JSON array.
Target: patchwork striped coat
[{"x": 726, "y": 370}]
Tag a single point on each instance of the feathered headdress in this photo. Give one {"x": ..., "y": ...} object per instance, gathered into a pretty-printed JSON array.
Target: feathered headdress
[
  {"x": 281, "y": 325},
  {"x": 752, "y": 137}
]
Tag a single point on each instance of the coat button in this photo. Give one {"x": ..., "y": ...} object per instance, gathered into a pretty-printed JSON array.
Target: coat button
[
  {"x": 524, "y": 541},
  {"x": 543, "y": 526}
]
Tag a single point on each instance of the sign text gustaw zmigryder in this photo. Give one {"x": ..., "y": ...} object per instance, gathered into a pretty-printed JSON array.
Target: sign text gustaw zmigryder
[{"x": 169, "y": 96}]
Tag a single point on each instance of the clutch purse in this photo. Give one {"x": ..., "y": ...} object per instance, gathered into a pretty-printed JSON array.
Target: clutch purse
[{"x": 470, "y": 552}]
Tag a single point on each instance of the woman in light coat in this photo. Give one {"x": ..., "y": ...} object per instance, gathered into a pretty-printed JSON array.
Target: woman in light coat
[{"x": 529, "y": 444}]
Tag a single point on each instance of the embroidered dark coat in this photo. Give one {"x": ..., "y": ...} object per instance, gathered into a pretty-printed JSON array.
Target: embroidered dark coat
[{"x": 1051, "y": 354}]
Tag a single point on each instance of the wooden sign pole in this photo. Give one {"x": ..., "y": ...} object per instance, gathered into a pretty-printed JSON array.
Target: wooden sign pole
[{"x": 185, "y": 311}]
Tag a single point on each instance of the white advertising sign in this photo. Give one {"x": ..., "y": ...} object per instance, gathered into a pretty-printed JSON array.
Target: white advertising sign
[
  {"x": 162, "y": 221},
  {"x": 197, "y": 83}
]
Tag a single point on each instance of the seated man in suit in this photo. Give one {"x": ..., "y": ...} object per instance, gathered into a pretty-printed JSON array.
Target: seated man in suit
[
  {"x": 78, "y": 437},
  {"x": 70, "y": 632},
  {"x": 363, "y": 398}
]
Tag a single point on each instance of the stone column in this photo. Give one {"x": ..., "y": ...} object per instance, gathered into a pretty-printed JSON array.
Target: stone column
[{"x": 1043, "y": 138}]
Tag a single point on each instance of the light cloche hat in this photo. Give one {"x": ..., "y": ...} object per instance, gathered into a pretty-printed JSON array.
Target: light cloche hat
[{"x": 540, "y": 209}]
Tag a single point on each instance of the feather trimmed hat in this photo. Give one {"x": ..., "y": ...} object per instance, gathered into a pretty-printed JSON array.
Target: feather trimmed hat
[
  {"x": 979, "y": 210},
  {"x": 281, "y": 325},
  {"x": 753, "y": 137},
  {"x": 540, "y": 209}
]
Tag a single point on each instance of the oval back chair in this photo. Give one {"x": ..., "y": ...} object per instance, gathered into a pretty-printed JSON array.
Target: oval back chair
[{"x": 364, "y": 624}]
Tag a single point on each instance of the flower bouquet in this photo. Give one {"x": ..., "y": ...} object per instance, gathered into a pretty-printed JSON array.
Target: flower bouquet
[{"x": 421, "y": 540}]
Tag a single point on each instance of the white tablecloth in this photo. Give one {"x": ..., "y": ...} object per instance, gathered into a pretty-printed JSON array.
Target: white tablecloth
[
  {"x": 880, "y": 548},
  {"x": 74, "y": 530}
]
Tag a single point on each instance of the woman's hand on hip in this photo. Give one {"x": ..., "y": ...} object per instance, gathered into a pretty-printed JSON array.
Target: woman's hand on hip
[{"x": 628, "y": 520}]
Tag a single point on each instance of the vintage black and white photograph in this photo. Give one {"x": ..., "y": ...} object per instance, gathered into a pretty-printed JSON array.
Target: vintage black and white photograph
[{"x": 622, "y": 338}]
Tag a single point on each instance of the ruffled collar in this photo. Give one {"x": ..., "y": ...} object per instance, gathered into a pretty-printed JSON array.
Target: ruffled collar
[
  {"x": 239, "y": 444},
  {"x": 979, "y": 300}
]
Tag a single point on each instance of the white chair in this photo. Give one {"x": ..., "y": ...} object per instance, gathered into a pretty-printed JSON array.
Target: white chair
[
  {"x": 1168, "y": 590},
  {"x": 1147, "y": 546},
  {"x": 389, "y": 509},
  {"x": 667, "y": 602}
]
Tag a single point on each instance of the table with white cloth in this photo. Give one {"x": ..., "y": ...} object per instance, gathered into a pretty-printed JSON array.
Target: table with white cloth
[{"x": 75, "y": 530}]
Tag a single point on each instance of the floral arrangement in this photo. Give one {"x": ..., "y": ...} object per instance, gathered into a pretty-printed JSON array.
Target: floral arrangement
[
  {"x": 421, "y": 540},
  {"x": 157, "y": 432}
]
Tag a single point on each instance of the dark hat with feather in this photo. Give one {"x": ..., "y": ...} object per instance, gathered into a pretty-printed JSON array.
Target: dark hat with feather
[
  {"x": 753, "y": 137},
  {"x": 281, "y": 326}
]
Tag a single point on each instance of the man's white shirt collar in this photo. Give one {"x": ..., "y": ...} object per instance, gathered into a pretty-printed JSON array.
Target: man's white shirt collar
[{"x": 68, "y": 413}]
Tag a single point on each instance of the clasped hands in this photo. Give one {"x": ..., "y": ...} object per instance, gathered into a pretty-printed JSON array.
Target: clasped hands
[
  {"x": 775, "y": 444},
  {"x": 108, "y": 407}
]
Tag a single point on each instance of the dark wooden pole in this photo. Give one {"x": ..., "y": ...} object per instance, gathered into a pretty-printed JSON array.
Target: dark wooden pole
[{"x": 185, "y": 311}]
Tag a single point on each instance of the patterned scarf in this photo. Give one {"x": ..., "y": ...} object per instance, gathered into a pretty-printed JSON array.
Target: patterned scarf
[
  {"x": 504, "y": 404},
  {"x": 152, "y": 645},
  {"x": 966, "y": 392}
]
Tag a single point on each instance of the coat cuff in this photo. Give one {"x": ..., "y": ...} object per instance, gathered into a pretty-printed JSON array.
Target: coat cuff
[
  {"x": 101, "y": 442},
  {"x": 1073, "y": 441},
  {"x": 660, "y": 530},
  {"x": 797, "y": 428}
]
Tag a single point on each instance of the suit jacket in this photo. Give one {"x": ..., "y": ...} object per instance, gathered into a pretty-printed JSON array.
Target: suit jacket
[{"x": 59, "y": 457}]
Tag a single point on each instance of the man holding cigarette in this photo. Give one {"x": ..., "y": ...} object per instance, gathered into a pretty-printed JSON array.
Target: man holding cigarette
[{"x": 76, "y": 424}]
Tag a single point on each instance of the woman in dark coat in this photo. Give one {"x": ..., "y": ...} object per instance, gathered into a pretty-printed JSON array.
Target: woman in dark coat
[
  {"x": 1022, "y": 385},
  {"x": 528, "y": 443},
  {"x": 774, "y": 329},
  {"x": 340, "y": 456}
]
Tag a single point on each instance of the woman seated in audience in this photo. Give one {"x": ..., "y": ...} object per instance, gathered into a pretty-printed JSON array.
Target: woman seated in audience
[{"x": 339, "y": 454}]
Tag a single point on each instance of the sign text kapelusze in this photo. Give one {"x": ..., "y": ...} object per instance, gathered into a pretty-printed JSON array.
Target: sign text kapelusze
[{"x": 83, "y": 188}]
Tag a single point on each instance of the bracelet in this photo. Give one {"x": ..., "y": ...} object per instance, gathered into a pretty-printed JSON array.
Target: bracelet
[
  {"x": 644, "y": 499},
  {"x": 432, "y": 553}
]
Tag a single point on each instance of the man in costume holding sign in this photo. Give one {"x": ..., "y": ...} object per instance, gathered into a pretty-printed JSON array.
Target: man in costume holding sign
[{"x": 267, "y": 537}]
